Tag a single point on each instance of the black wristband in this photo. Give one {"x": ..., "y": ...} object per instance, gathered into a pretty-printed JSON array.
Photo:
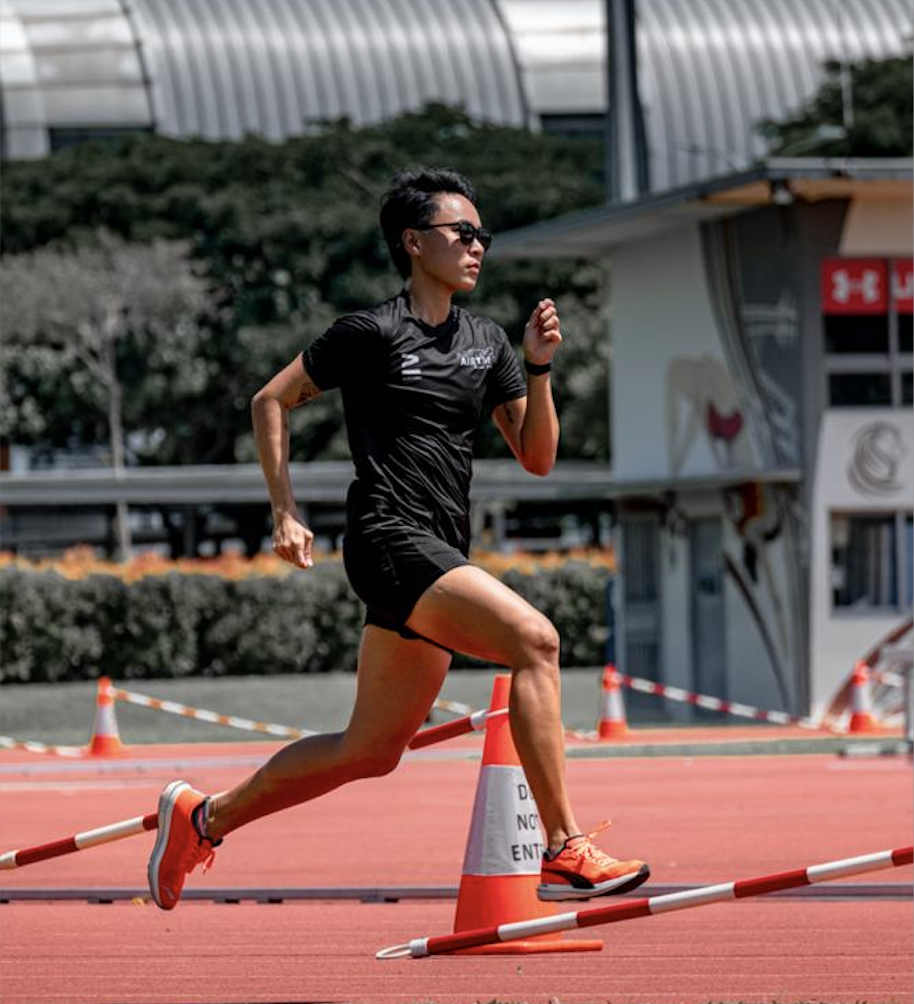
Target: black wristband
[{"x": 536, "y": 369}]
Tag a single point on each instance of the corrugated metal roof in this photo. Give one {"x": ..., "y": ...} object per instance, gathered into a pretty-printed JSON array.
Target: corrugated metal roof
[
  {"x": 24, "y": 131},
  {"x": 272, "y": 67},
  {"x": 711, "y": 69},
  {"x": 220, "y": 69}
]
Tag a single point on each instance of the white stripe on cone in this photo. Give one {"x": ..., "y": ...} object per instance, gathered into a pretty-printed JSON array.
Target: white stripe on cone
[{"x": 505, "y": 837}]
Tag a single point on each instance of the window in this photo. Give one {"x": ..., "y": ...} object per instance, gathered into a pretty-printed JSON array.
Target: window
[
  {"x": 853, "y": 333},
  {"x": 60, "y": 139},
  {"x": 869, "y": 390},
  {"x": 866, "y": 323},
  {"x": 869, "y": 571},
  {"x": 904, "y": 333}
]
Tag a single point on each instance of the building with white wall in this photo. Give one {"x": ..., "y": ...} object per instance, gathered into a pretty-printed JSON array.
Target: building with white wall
[{"x": 762, "y": 442}]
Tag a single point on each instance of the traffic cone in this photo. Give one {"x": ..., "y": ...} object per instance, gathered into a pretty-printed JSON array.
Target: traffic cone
[
  {"x": 612, "y": 724},
  {"x": 862, "y": 717},
  {"x": 105, "y": 739},
  {"x": 501, "y": 867}
]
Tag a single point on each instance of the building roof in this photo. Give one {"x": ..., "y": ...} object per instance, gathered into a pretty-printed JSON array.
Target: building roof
[
  {"x": 594, "y": 232},
  {"x": 221, "y": 69}
]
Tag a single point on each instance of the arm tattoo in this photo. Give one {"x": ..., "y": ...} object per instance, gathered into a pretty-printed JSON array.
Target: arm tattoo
[
  {"x": 307, "y": 392},
  {"x": 509, "y": 413}
]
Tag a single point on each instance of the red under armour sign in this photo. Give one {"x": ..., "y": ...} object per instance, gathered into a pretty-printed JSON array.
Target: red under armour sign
[
  {"x": 903, "y": 285},
  {"x": 854, "y": 286}
]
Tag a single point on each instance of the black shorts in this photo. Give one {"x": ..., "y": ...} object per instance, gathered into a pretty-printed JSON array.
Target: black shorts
[{"x": 391, "y": 567}]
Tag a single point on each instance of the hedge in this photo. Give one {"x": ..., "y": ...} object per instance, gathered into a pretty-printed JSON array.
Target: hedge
[{"x": 54, "y": 627}]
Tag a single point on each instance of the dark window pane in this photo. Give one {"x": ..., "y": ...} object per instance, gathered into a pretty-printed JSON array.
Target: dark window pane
[
  {"x": 589, "y": 127},
  {"x": 859, "y": 389},
  {"x": 63, "y": 138},
  {"x": 908, "y": 556},
  {"x": 844, "y": 334},
  {"x": 904, "y": 332},
  {"x": 906, "y": 390},
  {"x": 864, "y": 571}
]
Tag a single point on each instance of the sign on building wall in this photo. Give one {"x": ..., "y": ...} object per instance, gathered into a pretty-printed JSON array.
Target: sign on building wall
[{"x": 864, "y": 286}]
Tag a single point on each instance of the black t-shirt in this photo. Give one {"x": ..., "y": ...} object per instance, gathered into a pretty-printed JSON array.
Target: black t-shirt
[{"x": 413, "y": 396}]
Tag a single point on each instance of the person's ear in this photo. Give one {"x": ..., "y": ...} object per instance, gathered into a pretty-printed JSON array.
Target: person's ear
[{"x": 410, "y": 241}]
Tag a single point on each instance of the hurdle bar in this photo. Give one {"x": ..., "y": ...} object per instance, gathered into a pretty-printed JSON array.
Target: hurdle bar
[
  {"x": 714, "y": 703},
  {"x": 459, "y": 727},
  {"x": 647, "y": 907},
  {"x": 80, "y": 841}
]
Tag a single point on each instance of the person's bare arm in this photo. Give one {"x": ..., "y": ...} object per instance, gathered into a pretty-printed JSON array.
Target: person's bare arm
[
  {"x": 270, "y": 407},
  {"x": 530, "y": 424}
]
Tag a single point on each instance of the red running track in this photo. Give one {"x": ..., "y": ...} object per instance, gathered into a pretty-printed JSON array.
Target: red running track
[{"x": 697, "y": 821}]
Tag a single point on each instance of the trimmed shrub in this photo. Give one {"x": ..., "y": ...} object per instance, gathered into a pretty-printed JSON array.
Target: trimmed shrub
[{"x": 176, "y": 624}]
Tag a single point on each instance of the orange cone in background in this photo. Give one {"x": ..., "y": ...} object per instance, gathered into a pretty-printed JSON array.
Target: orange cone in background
[
  {"x": 612, "y": 724},
  {"x": 105, "y": 739},
  {"x": 862, "y": 717},
  {"x": 501, "y": 867}
]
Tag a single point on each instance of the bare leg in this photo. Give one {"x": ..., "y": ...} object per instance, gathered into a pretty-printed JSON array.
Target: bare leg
[
  {"x": 470, "y": 611},
  {"x": 398, "y": 680}
]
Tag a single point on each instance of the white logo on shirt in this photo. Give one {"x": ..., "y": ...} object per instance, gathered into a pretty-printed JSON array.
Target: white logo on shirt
[
  {"x": 408, "y": 365},
  {"x": 479, "y": 359}
]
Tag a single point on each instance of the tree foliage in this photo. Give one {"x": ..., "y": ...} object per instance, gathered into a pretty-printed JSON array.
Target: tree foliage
[
  {"x": 288, "y": 239},
  {"x": 113, "y": 323},
  {"x": 861, "y": 110}
]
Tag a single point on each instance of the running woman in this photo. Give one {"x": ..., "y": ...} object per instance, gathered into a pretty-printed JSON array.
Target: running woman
[{"x": 416, "y": 374}]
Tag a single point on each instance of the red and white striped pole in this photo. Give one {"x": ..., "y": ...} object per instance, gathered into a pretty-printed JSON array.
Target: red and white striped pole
[
  {"x": 647, "y": 907},
  {"x": 459, "y": 727},
  {"x": 80, "y": 841}
]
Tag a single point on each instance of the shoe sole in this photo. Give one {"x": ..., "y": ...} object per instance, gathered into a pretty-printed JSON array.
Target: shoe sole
[
  {"x": 166, "y": 806},
  {"x": 624, "y": 883}
]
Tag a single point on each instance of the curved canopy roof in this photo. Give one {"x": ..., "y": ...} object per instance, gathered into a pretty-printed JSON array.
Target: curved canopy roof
[{"x": 220, "y": 69}]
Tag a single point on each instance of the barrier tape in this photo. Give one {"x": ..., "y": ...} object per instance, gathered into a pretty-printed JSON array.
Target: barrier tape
[
  {"x": 202, "y": 715},
  {"x": 268, "y": 728},
  {"x": 740, "y": 889},
  {"x": 714, "y": 703},
  {"x": 886, "y": 678},
  {"x": 455, "y": 707},
  {"x": 8, "y": 743}
]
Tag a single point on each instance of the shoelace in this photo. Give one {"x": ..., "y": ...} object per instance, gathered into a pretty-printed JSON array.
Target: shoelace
[
  {"x": 201, "y": 854},
  {"x": 589, "y": 850},
  {"x": 210, "y": 858}
]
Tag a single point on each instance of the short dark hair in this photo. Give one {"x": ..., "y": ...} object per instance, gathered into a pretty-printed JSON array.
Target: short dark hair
[{"x": 410, "y": 202}]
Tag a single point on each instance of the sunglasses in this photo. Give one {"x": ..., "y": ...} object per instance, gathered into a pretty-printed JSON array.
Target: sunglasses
[{"x": 466, "y": 232}]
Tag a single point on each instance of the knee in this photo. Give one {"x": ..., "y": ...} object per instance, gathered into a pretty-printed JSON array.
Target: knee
[
  {"x": 375, "y": 762},
  {"x": 539, "y": 640}
]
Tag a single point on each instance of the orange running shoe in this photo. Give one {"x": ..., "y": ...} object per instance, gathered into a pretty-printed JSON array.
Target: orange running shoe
[
  {"x": 580, "y": 870},
  {"x": 180, "y": 845}
]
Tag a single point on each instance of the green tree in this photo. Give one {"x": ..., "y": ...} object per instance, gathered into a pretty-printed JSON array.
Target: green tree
[
  {"x": 862, "y": 109},
  {"x": 113, "y": 322},
  {"x": 287, "y": 236}
]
